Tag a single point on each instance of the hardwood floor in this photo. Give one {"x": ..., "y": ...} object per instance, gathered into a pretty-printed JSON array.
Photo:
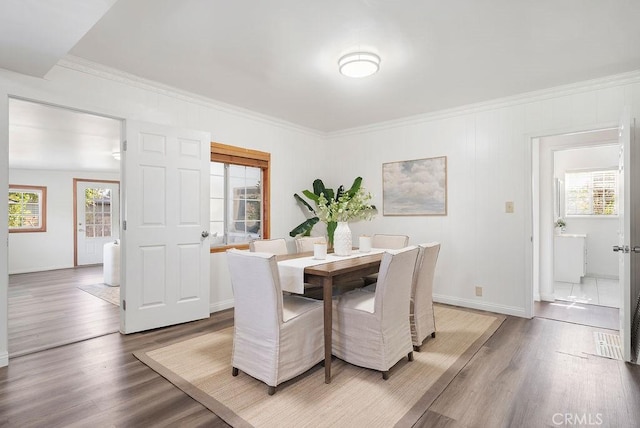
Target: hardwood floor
[
  {"x": 98, "y": 382},
  {"x": 530, "y": 373},
  {"x": 46, "y": 309},
  {"x": 535, "y": 373}
]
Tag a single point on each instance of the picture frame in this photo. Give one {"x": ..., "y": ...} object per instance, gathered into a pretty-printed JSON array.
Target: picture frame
[{"x": 415, "y": 187}]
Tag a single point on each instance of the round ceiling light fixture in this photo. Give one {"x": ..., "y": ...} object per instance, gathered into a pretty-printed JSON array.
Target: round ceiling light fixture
[{"x": 359, "y": 64}]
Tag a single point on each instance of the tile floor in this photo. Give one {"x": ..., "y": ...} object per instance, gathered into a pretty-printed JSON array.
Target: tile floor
[{"x": 593, "y": 291}]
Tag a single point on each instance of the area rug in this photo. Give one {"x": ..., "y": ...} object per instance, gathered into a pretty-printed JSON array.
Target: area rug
[
  {"x": 103, "y": 291},
  {"x": 201, "y": 367}
]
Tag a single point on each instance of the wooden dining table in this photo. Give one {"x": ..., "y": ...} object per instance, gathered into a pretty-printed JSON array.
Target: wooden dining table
[{"x": 327, "y": 275}]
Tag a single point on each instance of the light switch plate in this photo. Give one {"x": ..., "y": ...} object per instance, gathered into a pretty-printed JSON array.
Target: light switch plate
[{"x": 508, "y": 207}]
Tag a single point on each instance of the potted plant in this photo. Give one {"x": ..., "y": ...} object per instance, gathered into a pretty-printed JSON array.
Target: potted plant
[
  {"x": 560, "y": 225},
  {"x": 333, "y": 207}
]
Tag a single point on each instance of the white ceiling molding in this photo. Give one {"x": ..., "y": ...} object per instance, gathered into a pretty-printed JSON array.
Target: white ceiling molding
[
  {"x": 88, "y": 67},
  {"x": 529, "y": 97}
]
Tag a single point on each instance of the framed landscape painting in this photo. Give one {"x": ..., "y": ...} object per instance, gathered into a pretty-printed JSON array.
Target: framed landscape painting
[{"x": 415, "y": 187}]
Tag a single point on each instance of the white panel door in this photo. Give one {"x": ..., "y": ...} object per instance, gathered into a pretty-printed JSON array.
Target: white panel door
[
  {"x": 97, "y": 219},
  {"x": 165, "y": 250},
  {"x": 624, "y": 233}
]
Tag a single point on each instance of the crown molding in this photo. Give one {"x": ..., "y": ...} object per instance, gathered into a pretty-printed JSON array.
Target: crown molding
[
  {"x": 95, "y": 69},
  {"x": 89, "y": 67},
  {"x": 527, "y": 97}
]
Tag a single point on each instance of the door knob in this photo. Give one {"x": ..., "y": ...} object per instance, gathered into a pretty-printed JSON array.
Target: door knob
[
  {"x": 624, "y": 249},
  {"x": 205, "y": 233},
  {"x": 636, "y": 249}
]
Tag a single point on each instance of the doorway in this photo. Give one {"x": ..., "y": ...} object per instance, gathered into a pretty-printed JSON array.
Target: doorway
[
  {"x": 586, "y": 195},
  {"x": 50, "y": 146},
  {"x": 97, "y": 218},
  {"x": 574, "y": 258}
]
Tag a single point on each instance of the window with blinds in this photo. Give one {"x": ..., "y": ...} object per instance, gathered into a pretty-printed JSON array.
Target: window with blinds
[{"x": 591, "y": 193}]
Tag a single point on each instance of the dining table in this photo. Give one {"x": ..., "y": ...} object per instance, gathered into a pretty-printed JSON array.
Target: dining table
[{"x": 329, "y": 273}]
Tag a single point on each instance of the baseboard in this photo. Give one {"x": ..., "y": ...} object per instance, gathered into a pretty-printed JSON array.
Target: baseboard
[
  {"x": 4, "y": 359},
  {"x": 483, "y": 306},
  {"x": 547, "y": 297},
  {"x": 601, "y": 275},
  {"x": 221, "y": 306},
  {"x": 39, "y": 269}
]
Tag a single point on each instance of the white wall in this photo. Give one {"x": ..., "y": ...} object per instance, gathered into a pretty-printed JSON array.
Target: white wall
[
  {"x": 4, "y": 219},
  {"x": 602, "y": 233},
  {"x": 488, "y": 149},
  {"x": 117, "y": 95},
  {"x": 294, "y": 150},
  {"x": 53, "y": 249},
  {"x": 487, "y": 146}
]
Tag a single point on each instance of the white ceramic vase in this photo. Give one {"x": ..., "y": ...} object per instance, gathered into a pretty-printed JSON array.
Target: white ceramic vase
[{"x": 342, "y": 239}]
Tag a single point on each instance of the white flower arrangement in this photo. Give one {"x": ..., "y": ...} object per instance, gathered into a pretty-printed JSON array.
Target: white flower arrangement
[{"x": 346, "y": 207}]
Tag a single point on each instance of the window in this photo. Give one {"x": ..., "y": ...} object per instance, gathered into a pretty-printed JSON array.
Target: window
[
  {"x": 589, "y": 193},
  {"x": 27, "y": 208},
  {"x": 239, "y": 194},
  {"x": 97, "y": 212}
]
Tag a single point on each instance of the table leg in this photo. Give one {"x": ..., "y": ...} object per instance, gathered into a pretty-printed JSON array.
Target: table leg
[{"x": 327, "y": 286}]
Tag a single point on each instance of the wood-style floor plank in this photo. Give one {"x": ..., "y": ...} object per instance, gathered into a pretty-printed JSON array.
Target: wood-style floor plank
[
  {"x": 47, "y": 309},
  {"x": 98, "y": 382},
  {"x": 531, "y": 370},
  {"x": 527, "y": 372}
]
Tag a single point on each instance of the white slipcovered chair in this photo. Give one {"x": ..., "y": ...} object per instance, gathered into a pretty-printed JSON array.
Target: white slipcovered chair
[
  {"x": 273, "y": 246},
  {"x": 421, "y": 316},
  {"x": 275, "y": 337},
  {"x": 388, "y": 242},
  {"x": 304, "y": 244},
  {"x": 372, "y": 329}
]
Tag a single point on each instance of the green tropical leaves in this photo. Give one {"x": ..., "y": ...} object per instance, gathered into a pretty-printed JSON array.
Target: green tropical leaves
[{"x": 326, "y": 201}]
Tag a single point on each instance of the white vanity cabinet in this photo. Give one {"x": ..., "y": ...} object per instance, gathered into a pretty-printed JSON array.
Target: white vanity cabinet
[{"x": 569, "y": 258}]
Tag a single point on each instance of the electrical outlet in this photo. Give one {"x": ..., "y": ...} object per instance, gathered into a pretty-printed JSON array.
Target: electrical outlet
[
  {"x": 478, "y": 291},
  {"x": 508, "y": 207}
]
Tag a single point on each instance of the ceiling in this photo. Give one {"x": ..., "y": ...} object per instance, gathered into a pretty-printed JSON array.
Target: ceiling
[
  {"x": 279, "y": 58},
  {"x": 46, "y": 137}
]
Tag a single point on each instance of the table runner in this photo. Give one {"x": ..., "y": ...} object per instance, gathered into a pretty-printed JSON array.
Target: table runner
[{"x": 292, "y": 270}]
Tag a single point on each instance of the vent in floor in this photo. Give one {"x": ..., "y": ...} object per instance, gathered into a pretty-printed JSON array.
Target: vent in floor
[{"x": 608, "y": 345}]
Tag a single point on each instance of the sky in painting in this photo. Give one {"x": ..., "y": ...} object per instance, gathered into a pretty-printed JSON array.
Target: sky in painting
[{"x": 415, "y": 187}]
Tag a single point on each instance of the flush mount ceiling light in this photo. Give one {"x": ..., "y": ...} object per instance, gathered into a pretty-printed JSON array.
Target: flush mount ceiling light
[{"x": 359, "y": 64}]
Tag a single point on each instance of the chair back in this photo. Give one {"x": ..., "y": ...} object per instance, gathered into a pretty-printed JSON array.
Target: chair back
[
  {"x": 422, "y": 288},
  {"x": 389, "y": 242},
  {"x": 256, "y": 291},
  {"x": 272, "y": 246},
  {"x": 305, "y": 243},
  {"x": 393, "y": 291}
]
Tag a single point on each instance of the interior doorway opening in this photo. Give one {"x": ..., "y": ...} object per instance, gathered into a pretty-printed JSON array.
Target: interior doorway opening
[
  {"x": 575, "y": 267},
  {"x": 49, "y": 301}
]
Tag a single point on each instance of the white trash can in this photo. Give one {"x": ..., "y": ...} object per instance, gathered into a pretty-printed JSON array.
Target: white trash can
[{"x": 111, "y": 264}]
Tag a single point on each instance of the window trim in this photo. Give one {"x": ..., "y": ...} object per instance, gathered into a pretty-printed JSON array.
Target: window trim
[
  {"x": 43, "y": 208},
  {"x": 246, "y": 157}
]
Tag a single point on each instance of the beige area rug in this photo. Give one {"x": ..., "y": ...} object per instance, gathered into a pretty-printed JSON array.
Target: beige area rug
[
  {"x": 103, "y": 291},
  {"x": 201, "y": 367}
]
